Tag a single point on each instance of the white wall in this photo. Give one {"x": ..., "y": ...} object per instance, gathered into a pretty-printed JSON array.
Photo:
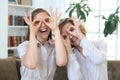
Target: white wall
[
  {"x": 61, "y": 5},
  {"x": 3, "y": 28}
]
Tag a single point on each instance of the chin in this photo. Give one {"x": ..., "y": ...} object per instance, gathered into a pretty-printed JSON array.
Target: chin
[{"x": 45, "y": 36}]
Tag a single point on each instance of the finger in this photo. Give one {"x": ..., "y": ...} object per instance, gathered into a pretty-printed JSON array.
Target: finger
[
  {"x": 52, "y": 41},
  {"x": 56, "y": 11},
  {"x": 25, "y": 18},
  {"x": 47, "y": 20},
  {"x": 82, "y": 22},
  {"x": 53, "y": 36},
  {"x": 34, "y": 22},
  {"x": 79, "y": 18},
  {"x": 39, "y": 24},
  {"x": 47, "y": 23},
  {"x": 25, "y": 15},
  {"x": 67, "y": 37},
  {"x": 73, "y": 18},
  {"x": 30, "y": 16},
  {"x": 70, "y": 33},
  {"x": 59, "y": 16},
  {"x": 51, "y": 11}
]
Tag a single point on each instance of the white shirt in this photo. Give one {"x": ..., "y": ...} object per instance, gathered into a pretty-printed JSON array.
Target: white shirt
[
  {"x": 73, "y": 68},
  {"x": 46, "y": 67},
  {"x": 94, "y": 65}
]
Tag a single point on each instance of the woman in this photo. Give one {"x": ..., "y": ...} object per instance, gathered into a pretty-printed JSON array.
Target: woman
[
  {"x": 38, "y": 56},
  {"x": 91, "y": 56}
]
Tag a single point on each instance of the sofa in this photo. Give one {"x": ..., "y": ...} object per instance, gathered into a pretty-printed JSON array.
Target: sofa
[{"x": 10, "y": 70}]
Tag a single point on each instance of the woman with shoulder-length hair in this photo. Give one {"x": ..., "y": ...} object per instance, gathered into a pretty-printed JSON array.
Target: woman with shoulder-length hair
[
  {"x": 88, "y": 59},
  {"x": 39, "y": 57}
]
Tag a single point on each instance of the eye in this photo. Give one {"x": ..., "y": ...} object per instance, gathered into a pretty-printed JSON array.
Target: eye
[
  {"x": 71, "y": 29},
  {"x": 64, "y": 36},
  {"x": 47, "y": 20},
  {"x": 36, "y": 22}
]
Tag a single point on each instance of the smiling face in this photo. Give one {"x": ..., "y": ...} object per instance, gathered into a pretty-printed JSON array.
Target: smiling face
[
  {"x": 44, "y": 30},
  {"x": 68, "y": 27}
]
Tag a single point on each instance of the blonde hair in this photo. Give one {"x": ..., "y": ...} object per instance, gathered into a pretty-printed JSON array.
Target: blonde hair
[{"x": 69, "y": 20}]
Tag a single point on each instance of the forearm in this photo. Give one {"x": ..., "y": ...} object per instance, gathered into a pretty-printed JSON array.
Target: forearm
[
  {"x": 61, "y": 56},
  {"x": 30, "y": 59}
]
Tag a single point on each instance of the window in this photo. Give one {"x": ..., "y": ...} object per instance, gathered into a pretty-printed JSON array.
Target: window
[
  {"x": 100, "y": 8},
  {"x": 95, "y": 26}
]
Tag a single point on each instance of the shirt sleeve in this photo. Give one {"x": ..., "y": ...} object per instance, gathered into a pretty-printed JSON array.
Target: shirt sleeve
[
  {"x": 22, "y": 48},
  {"x": 73, "y": 68},
  {"x": 96, "y": 53}
]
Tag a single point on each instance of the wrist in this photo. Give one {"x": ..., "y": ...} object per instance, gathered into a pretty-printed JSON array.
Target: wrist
[
  {"x": 69, "y": 51},
  {"x": 56, "y": 31}
]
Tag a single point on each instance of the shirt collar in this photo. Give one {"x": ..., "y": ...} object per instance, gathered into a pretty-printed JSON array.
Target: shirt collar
[{"x": 47, "y": 43}]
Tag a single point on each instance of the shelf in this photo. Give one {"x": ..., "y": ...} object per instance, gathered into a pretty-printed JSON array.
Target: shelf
[
  {"x": 12, "y": 48},
  {"x": 16, "y": 34},
  {"x": 17, "y": 30},
  {"x": 16, "y": 9},
  {"x": 20, "y": 6},
  {"x": 18, "y": 27}
]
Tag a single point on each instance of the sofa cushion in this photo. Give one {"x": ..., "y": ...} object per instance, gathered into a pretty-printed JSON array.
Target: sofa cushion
[{"x": 8, "y": 70}]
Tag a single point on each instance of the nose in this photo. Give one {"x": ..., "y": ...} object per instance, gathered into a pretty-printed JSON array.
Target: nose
[{"x": 42, "y": 24}]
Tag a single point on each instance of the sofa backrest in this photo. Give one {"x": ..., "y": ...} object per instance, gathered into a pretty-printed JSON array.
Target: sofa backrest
[
  {"x": 112, "y": 66},
  {"x": 60, "y": 74},
  {"x": 8, "y": 69},
  {"x": 114, "y": 69}
]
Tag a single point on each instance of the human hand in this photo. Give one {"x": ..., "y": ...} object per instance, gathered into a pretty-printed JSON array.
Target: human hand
[
  {"x": 51, "y": 22},
  {"x": 67, "y": 43},
  {"x": 75, "y": 30},
  {"x": 31, "y": 24}
]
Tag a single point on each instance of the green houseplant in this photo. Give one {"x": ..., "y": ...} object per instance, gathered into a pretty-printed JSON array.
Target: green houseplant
[
  {"x": 111, "y": 23},
  {"x": 81, "y": 8}
]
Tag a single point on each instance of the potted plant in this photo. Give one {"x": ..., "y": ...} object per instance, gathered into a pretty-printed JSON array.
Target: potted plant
[
  {"x": 81, "y": 8},
  {"x": 111, "y": 23}
]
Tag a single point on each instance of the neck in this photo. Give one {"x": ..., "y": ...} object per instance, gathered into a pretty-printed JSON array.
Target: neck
[{"x": 42, "y": 41}]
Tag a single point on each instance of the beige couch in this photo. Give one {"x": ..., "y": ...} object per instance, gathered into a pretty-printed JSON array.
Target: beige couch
[
  {"x": 10, "y": 70},
  {"x": 113, "y": 71}
]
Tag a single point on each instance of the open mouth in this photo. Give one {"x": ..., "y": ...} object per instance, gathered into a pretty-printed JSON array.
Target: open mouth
[{"x": 43, "y": 30}]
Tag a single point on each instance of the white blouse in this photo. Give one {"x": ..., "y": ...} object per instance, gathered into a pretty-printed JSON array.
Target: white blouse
[
  {"x": 73, "y": 68},
  {"x": 46, "y": 67},
  {"x": 94, "y": 65}
]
